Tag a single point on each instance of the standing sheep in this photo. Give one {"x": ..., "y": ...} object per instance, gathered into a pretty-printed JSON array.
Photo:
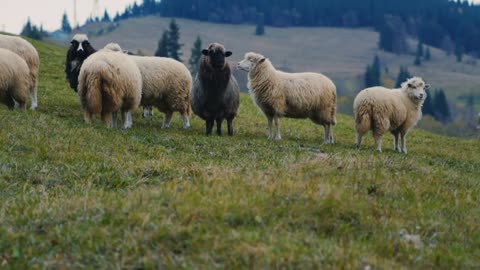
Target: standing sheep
[
  {"x": 15, "y": 80},
  {"x": 28, "y": 53},
  {"x": 380, "y": 109},
  {"x": 216, "y": 94},
  {"x": 294, "y": 95},
  {"x": 108, "y": 82},
  {"x": 80, "y": 49}
]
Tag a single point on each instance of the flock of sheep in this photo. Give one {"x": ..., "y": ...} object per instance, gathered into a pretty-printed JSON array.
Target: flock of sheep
[{"x": 111, "y": 80}]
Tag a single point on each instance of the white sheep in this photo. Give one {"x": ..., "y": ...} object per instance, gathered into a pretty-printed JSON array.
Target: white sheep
[
  {"x": 166, "y": 85},
  {"x": 108, "y": 82},
  {"x": 396, "y": 110},
  {"x": 15, "y": 80},
  {"x": 294, "y": 95},
  {"x": 28, "y": 53}
]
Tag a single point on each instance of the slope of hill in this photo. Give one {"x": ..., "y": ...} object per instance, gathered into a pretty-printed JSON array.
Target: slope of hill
[
  {"x": 78, "y": 196},
  {"x": 339, "y": 53}
]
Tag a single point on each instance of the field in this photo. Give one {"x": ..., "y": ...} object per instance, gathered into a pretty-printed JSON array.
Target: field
[{"x": 78, "y": 196}]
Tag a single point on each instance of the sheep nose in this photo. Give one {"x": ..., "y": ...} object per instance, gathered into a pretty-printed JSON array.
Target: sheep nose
[{"x": 421, "y": 95}]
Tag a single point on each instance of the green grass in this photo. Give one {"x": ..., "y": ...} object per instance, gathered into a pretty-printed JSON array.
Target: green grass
[{"x": 79, "y": 196}]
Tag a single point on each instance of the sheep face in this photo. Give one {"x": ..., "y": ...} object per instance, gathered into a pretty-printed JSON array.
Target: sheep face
[
  {"x": 216, "y": 55},
  {"x": 250, "y": 61},
  {"x": 80, "y": 46},
  {"x": 79, "y": 50},
  {"x": 415, "y": 89}
]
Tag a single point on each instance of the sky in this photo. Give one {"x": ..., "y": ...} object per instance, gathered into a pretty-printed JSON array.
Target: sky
[{"x": 14, "y": 13}]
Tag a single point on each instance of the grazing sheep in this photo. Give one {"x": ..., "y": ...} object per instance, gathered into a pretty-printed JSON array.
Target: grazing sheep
[
  {"x": 294, "y": 95},
  {"x": 216, "y": 94},
  {"x": 380, "y": 109},
  {"x": 28, "y": 53},
  {"x": 80, "y": 49},
  {"x": 15, "y": 79},
  {"x": 109, "y": 81}
]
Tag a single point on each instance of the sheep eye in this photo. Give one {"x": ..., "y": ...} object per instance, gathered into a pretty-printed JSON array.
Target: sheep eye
[{"x": 410, "y": 85}]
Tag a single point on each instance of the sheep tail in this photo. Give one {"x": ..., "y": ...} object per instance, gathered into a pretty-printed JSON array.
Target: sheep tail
[{"x": 94, "y": 95}]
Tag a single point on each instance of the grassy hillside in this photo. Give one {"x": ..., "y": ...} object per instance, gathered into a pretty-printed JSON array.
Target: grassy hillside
[
  {"x": 78, "y": 196},
  {"x": 340, "y": 53}
]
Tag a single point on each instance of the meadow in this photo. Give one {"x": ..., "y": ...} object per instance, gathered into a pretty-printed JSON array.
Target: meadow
[{"x": 83, "y": 196}]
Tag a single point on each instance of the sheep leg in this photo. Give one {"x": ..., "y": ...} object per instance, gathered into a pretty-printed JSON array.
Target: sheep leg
[
  {"x": 326, "y": 136},
  {"x": 209, "y": 126},
  {"x": 230, "y": 127},
  {"x": 126, "y": 120},
  {"x": 270, "y": 123},
  {"x": 106, "y": 118},
  {"x": 167, "y": 120},
  {"x": 186, "y": 121},
  {"x": 87, "y": 117},
  {"x": 378, "y": 141},
  {"x": 358, "y": 139},
  {"x": 404, "y": 142},
  {"x": 332, "y": 141},
  {"x": 276, "y": 119},
  {"x": 33, "y": 98},
  {"x": 129, "y": 119},
  {"x": 396, "y": 146},
  {"x": 113, "y": 121},
  {"x": 219, "y": 126}
]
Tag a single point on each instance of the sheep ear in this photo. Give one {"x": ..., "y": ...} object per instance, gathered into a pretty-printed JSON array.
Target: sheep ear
[
  {"x": 205, "y": 52},
  {"x": 263, "y": 60},
  {"x": 228, "y": 53},
  {"x": 427, "y": 86}
]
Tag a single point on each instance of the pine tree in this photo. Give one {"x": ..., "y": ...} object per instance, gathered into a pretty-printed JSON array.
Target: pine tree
[
  {"x": 403, "y": 76},
  {"x": 427, "y": 108},
  {"x": 260, "y": 29},
  {"x": 65, "y": 24},
  {"x": 174, "y": 45},
  {"x": 373, "y": 73},
  {"x": 459, "y": 52},
  {"x": 162, "y": 50},
  {"x": 428, "y": 55},
  {"x": 27, "y": 29},
  {"x": 194, "y": 60},
  {"x": 106, "y": 17},
  {"x": 441, "y": 108},
  {"x": 419, "y": 54}
]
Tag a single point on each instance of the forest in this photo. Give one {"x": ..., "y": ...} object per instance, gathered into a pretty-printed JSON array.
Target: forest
[{"x": 451, "y": 25}]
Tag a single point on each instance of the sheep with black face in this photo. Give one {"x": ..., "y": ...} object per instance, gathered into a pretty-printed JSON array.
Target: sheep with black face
[
  {"x": 216, "y": 94},
  {"x": 80, "y": 49}
]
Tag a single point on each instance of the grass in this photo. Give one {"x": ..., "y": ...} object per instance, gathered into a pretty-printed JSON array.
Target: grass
[{"x": 79, "y": 196}]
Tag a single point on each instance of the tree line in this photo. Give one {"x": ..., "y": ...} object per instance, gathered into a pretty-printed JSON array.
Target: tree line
[{"x": 451, "y": 25}]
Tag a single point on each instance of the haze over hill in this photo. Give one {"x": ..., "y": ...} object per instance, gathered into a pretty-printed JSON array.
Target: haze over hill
[{"x": 337, "y": 52}]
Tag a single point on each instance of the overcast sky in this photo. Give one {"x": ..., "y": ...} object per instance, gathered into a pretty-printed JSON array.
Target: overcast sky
[{"x": 14, "y": 13}]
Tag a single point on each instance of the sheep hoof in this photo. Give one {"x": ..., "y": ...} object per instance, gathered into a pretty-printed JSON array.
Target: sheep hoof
[
  {"x": 278, "y": 138},
  {"x": 379, "y": 150},
  {"x": 165, "y": 126},
  {"x": 404, "y": 151}
]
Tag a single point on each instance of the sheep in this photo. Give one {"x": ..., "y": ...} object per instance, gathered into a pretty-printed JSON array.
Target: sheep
[
  {"x": 15, "y": 79},
  {"x": 29, "y": 54},
  {"x": 215, "y": 94},
  {"x": 380, "y": 109},
  {"x": 293, "y": 95},
  {"x": 109, "y": 81},
  {"x": 80, "y": 49}
]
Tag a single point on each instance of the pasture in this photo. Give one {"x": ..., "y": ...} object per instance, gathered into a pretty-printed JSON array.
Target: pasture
[{"x": 79, "y": 196}]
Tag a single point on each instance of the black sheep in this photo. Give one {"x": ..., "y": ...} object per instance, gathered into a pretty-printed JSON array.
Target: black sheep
[
  {"x": 80, "y": 49},
  {"x": 216, "y": 94}
]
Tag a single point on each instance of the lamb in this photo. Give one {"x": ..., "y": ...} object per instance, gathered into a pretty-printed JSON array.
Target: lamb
[
  {"x": 293, "y": 95},
  {"x": 380, "y": 109},
  {"x": 215, "y": 94},
  {"x": 109, "y": 81},
  {"x": 80, "y": 49},
  {"x": 15, "y": 79},
  {"x": 29, "y": 54}
]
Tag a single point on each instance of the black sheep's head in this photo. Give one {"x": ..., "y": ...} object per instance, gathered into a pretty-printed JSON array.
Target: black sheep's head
[
  {"x": 216, "y": 55},
  {"x": 80, "y": 49}
]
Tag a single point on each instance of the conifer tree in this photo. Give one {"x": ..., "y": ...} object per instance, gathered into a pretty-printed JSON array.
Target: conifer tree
[
  {"x": 65, "y": 24},
  {"x": 194, "y": 60},
  {"x": 162, "y": 50},
  {"x": 260, "y": 29},
  {"x": 403, "y": 76},
  {"x": 174, "y": 45}
]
